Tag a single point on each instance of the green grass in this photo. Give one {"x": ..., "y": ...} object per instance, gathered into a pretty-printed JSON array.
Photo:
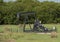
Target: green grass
[{"x": 28, "y": 37}]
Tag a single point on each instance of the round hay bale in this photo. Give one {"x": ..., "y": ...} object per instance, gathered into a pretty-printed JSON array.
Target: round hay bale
[{"x": 53, "y": 34}]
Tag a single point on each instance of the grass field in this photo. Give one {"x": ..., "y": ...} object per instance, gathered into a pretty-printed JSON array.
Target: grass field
[{"x": 20, "y": 36}]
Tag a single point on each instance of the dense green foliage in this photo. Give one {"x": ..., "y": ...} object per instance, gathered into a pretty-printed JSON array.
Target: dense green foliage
[
  {"x": 47, "y": 12},
  {"x": 1, "y": 1}
]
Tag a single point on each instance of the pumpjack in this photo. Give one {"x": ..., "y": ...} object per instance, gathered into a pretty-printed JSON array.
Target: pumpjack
[{"x": 37, "y": 26}]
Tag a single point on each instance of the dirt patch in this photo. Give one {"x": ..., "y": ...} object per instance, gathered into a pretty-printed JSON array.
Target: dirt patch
[
  {"x": 10, "y": 40},
  {"x": 43, "y": 33}
]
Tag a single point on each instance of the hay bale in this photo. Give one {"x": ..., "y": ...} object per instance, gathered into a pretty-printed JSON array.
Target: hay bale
[{"x": 53, "y": 34}]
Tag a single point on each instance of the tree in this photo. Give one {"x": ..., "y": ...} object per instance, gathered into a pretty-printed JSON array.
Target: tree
[
  {"x": 1, "y": 1},
  {"x": 47, "y": 12}
]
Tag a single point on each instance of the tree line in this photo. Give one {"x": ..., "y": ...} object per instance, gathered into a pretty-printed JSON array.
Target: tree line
[{"x": 47, "y": 12}]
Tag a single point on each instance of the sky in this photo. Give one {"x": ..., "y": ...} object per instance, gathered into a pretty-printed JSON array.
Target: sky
[
  {"x": 8, "y": 0},
  {"x": 39, "y": 0},
  {"x": 50, "y": 0}
]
